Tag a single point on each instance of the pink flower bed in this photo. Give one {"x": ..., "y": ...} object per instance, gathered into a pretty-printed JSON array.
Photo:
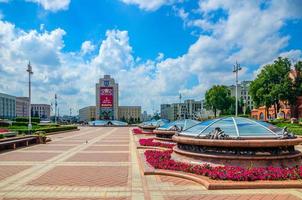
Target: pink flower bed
[
  {"x": 162, "y": 160},
  {"x": 3, "y": 130},
  {"x": 150, "y": 142},
  {"x": 137, "y": 131}
]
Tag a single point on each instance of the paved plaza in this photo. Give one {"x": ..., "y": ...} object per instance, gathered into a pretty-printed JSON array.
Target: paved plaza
[{"x": 101, "y": 163}]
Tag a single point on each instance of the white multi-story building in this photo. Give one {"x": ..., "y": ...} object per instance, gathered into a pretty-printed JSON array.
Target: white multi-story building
[
  {"x": 7, "y": 106},
  {"x": 41, "y": 110},
  {"x": 186, "y": 110},
  {"x": 22, "y": 106},
  {"x": 243, "y": 92},
  {"x": 107, "y": 99},
  {"x": 129, "y": 112},
  {"x": 87, "y": 114}
]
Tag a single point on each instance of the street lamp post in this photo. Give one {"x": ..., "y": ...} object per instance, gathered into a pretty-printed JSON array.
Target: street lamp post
[
  {"x": 56, "y": 104},
  {"x": 179, "y": 114},
  {"x": 236, "y": 69},
  {"x": 30, "y": 72}
]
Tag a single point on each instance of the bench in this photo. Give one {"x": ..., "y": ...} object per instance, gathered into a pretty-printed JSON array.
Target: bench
[{"x": 12, "y": 142}]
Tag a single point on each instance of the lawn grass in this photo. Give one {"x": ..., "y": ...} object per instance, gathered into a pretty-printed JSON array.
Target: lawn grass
[{"x": 295, "y": 128}]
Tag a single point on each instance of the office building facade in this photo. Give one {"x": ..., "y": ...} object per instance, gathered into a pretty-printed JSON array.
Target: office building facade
[
  {"x": 7, "y": 106},
  {"x": 41, "y": 110},
  {"x": 129, "y": 113},
  {"x": 243, "y": 93},
  {"x": 22, "y": 106},
  {"x": 87, "y": 114},
  {"x": 186, "y": 110}
]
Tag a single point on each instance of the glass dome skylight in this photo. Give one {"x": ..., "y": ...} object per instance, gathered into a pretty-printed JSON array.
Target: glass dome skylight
[
  {"x": 107, "y": 122},
  {"x": 181, "y": 124},
  {"x": 154, "y": 122},
  {"x": 235, "y": 127}
]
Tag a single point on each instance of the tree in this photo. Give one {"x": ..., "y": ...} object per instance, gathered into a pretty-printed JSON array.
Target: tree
[
  {"x": 296, "y": 89},
  {"x": 272, "y": 85},
  {"x": 218, "y": 98}
]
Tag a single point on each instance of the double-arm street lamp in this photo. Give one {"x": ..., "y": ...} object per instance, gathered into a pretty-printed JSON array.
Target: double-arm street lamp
[
  {"x": 30, "y": 72},
  {"x": 236, "y": 69}
]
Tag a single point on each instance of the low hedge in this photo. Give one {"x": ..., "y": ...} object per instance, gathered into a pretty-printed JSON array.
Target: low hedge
[
  {"x": 4, "y": 124},
  {"x": 25, "y": 119},
  {"x": 9, "y": 134},
  {"x": 47, "y": 129},
  {"x": 23, "y": 123}
]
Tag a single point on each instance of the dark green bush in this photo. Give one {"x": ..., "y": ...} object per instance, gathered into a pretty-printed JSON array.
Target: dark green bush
[
  {"x": 1, "y": 136},
  {"x": 4, "y": 124},
  {"x": 23, "y": 123},
  {"x": 46, "y": 129},
  {"x": 25, "y": 119}
]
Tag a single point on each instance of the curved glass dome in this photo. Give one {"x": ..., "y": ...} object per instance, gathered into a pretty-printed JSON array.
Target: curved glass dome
[
  {"x": 107, "y": 122},
  {"x": 181, "y": 124},
  {"x": 154, "y": 122},
  {"x": 236, "y": 127}
]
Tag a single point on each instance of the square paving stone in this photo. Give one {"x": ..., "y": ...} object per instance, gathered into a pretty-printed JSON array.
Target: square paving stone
[
  {"x": 99, "y": 157},
  {"x": 27, "y": 156},
  {"x": 50, "y": 147},
  {"x": 236, "y": 197},
  {"x": 107, "y": 148},
  {"x": 84, "y": 176},
  {"x": 10, "y": 170}
]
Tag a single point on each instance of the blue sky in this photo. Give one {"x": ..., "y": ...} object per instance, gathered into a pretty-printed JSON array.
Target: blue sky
[{"x": 155, "y": 49}]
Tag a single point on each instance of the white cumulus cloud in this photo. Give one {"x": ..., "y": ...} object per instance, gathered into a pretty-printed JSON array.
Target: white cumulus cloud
[
  {"x": 149, "y": 5},
  {"x": 52, "y": 5},
  {"x": 87, "y": 47}
]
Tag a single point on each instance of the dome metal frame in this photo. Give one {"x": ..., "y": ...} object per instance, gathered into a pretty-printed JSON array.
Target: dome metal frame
[{"x": 267, "y": 132}]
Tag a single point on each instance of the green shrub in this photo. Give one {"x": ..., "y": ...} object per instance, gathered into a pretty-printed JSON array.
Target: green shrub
[
  {"x": 23, "y": 123},
  {"x": 24, "y": 130},
  {"x": 278, "y": 121},
  {"x": 295, "y": 128},
  {"x": 1, "y": 136},
  {"x": 245, "y": 116},
  {"x": 25, "y": 119},
  {"x": 4, "y": 124}
]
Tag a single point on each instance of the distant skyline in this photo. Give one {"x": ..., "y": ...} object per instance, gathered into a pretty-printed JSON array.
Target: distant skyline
[{"x": 154, "y": 49}]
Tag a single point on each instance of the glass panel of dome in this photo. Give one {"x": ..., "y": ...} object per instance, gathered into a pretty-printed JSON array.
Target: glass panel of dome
[
  {"x": 195, "y": 130},
  {"x": 252, "y": 128},
  {"x": 189, "y": 123},
  {"x": 226, "y": 124},
  {"x": 271, "y": 127}
]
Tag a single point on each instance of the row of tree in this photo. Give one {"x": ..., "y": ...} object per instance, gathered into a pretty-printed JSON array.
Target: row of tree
[{"x": 272, "y": 85}]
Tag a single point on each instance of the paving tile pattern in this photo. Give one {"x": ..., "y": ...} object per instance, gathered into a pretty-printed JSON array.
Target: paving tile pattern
[
  {"x": 101, "y": 163},
  {"x": 10, "y": 170},
  {"x": 84, "y": 176},
  {"x": 26, "y": 156},
  {"x": 99, "y": 157},
  {"x": 236, "y": 197}
]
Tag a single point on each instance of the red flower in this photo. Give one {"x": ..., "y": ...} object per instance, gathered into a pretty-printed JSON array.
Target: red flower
[
  {"x": 150, "y": 142},
  {"x": 162, "y": 160}
]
